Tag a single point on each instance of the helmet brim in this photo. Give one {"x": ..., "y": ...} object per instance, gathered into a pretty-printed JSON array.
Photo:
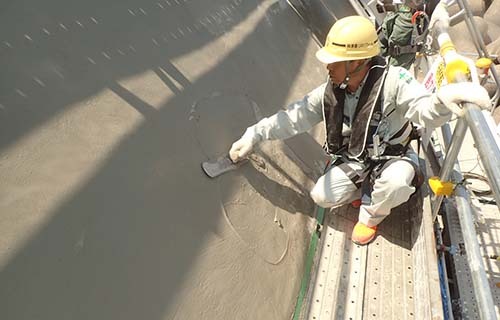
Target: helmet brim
[{"x": 326, "y": 57}]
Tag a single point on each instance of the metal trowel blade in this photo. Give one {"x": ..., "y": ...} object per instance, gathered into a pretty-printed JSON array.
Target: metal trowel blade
[{"x": 222, "y": 165}]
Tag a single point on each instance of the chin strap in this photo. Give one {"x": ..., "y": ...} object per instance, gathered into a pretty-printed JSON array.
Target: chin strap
[{"x": 345, "y": 82}]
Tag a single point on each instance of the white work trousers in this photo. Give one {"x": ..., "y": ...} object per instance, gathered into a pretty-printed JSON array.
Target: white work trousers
[{"x": 392, "y": 188}]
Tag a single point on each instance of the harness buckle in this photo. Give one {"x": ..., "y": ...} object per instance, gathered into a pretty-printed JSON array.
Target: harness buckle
[{"x": 396, "y": 50}]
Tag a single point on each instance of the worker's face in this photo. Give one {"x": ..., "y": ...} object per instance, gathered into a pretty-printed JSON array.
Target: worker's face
[{"x": 336, "y": 72}]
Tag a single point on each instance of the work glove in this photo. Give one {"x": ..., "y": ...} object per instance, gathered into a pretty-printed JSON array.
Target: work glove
[
  {"x": 242, "y": 147},
  {"x": 440, "y": 17},
  {"x": 454, "y": 94}
]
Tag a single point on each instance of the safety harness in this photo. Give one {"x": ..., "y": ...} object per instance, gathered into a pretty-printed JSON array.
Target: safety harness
[{"x": 364, "y": 144}]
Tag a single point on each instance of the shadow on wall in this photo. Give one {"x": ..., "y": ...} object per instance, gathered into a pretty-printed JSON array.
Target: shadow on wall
[
  {"x": 292, "y": 200},
  {"x": 321, "y": 15},
  {"x": 57, "y": 53},
  {"x": 122, "y": 245}
]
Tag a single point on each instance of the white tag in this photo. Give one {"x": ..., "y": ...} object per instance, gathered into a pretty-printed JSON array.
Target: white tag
[{"x": 376, "y": 143}]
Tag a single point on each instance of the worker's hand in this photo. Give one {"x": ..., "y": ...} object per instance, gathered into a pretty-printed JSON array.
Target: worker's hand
[
  {"x": 242, "y": 147},
  {"x": 454, "y": 94},
  {"x": 440, "y": 19},
  {"x": 457, "y": 64}
]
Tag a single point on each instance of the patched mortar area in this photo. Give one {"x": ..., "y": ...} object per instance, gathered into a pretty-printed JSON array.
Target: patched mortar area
[
  {"x": 219, "y": 118},
  {"x": 257, "y": 198}
]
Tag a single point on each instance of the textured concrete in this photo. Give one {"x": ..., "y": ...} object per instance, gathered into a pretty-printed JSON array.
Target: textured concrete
[
  {"x": 492, "y": 12},
  {"x": 106, "y": 111}
]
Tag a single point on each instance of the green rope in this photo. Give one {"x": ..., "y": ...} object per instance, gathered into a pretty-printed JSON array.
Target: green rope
[{"x": 309, "y": 261}]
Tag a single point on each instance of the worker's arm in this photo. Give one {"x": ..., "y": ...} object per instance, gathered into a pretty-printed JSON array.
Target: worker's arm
[
  {"x": 298, "y": 117},
  {"x": 432, "y": 110},
  {"x": 411, "y": 97}
]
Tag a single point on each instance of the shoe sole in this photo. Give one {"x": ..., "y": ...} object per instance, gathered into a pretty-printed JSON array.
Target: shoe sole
[{"x": 365, "y": 243}]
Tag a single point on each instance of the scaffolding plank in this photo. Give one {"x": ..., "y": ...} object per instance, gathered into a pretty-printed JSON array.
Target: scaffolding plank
[
  {"x": 375, "y": 281},
  {"x": 427, "y": 296},
  {"x": 389, "y": 279},
  {"x": 337, "y": 293}
]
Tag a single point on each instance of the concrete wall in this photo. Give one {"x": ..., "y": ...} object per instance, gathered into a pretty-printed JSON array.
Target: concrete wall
[{"x": 106, "y": 111}]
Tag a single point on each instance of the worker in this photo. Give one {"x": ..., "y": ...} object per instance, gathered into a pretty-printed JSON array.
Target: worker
[
  {"x": 403, "y": 30},
  {"x": 368, "y": 108}
]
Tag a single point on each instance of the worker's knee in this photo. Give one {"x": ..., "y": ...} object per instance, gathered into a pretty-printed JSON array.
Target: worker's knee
[
  {"x": 398, "y": 174},
  {"x": 395, "y": 183},
  {"x": 333, "y": 188},
  {"x": 319, "y": 197},
  {"x": 397, "y": 190},
  {"x": 398, "y": 183},
  {"x": 325, "y": 195}
]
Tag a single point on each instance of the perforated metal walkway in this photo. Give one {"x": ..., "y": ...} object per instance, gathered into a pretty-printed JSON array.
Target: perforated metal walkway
[{"x": 376, "y": 281}]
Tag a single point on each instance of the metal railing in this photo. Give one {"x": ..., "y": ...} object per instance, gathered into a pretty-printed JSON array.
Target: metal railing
[
  {"x": 466, "y": 14},
  {"x": 490, "y": 156},
  {"x": 489, "y": 153}
]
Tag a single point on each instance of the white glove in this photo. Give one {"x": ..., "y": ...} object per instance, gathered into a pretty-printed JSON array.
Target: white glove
[
  {"x": 453, "y": 94},
  {"x": 242, "y": 147},
  {"x": 440, "y": 17}
]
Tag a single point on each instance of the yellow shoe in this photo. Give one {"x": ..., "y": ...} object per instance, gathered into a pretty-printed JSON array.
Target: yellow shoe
[{"x": 362, "y": 234}]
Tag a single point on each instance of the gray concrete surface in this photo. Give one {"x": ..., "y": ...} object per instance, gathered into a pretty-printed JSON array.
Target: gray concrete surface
[{"x": 106, "y": 111}]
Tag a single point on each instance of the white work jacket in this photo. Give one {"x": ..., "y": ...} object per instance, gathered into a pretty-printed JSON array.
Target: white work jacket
[{"x": 404, "y": 98}]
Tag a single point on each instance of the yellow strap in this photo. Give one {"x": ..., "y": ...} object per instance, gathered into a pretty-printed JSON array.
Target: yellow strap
[{"x": 445, "y": 47}]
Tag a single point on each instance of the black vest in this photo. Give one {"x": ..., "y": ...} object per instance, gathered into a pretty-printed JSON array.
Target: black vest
[{"x": 367, "y": 115}]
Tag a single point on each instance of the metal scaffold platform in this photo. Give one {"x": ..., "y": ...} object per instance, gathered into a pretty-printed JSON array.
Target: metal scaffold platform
[{"x": 382, "y": 280}]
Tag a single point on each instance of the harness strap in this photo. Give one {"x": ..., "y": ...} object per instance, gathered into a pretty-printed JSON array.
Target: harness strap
[
  {"x": 400, "y": 131},
  {"x": 355, "y": 176},
  {"x": 396, "y": 151},
  {"x": 396, "y": 50},
  {"x": 376, "y": 171}
]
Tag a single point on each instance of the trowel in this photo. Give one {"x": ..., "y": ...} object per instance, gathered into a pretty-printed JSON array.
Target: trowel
[{"x": 221, "y": 165}]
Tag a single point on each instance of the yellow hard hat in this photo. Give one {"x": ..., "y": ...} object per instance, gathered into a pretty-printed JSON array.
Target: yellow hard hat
[{"x": 350, "y": 38}]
